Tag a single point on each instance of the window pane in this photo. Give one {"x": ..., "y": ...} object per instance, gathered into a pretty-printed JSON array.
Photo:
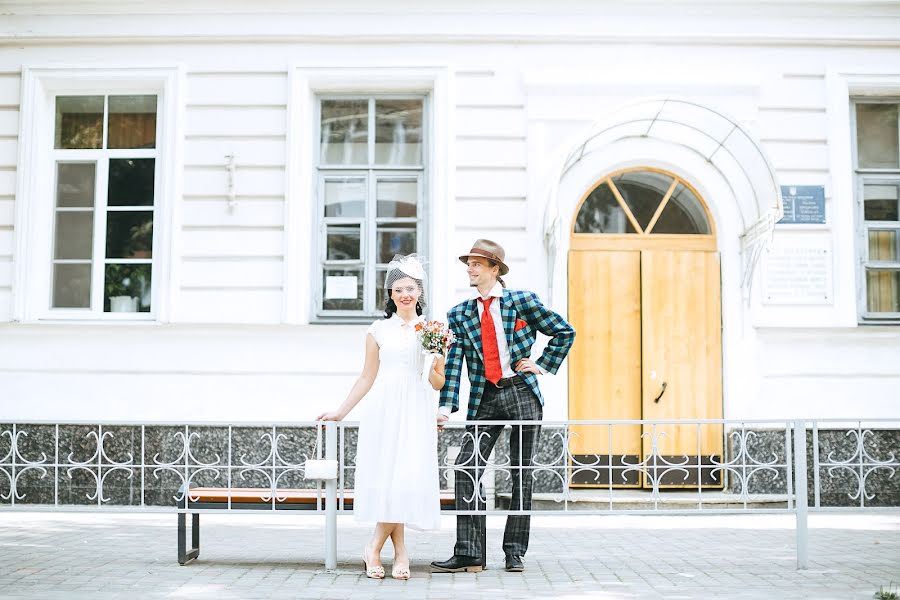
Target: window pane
[
  {"x": 601, "y": 213},
  {"x": 129, "y": 234},
  {"x": 683, "y": 213},
  {"x": 883, "y": 291},
  {"x": 343, "y": 243},
  {"x": 72, "y": 286},
  {"x": 642, "y": 192},
  {"x": 877, "y": 136},
  {"x": 395, "y": 240},
  {"x": 74, "y": 235},
  {"x": 132, "y": 122},
  {"x": 398, "y": 132},
  {"x": 343, "y": 289},
  {"x": 127, "y": 288},
  {"x": 883, "y": 245},
  {"x": 131, "y": 181},
  {"x": 345, "y": 132},
  {"x": 881, "y": 202},
  {"x": 397, "y": 198},
  {"x": 79, "y": 122},
  {"x": 380, "y": 292},
  {"x": 75, "y": 184},
  {"x": 345, "y": 197}
]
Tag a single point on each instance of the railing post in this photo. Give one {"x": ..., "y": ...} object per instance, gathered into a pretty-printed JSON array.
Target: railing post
[
  {"x": 801, "y": 494},
  {"x": 331, "y": 499}
]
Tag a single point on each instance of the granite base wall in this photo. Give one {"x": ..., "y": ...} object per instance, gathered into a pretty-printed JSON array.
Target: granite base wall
[{"x": 254, "y": 462}]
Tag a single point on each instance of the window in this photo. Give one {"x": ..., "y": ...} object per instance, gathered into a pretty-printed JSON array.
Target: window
[
  {"x": 104, "y": 160},
  {"x": 371, "y": 178},
  {"x": 642, "y": 202},
  {"x": 877, "y": 168}
]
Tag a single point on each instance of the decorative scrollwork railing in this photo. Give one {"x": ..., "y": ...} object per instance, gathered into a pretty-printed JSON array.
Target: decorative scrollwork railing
[{"x": 501, "y": 467}]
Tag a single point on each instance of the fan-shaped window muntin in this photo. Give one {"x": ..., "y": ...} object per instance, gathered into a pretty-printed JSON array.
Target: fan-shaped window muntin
[{"x": 643, "y": 202}]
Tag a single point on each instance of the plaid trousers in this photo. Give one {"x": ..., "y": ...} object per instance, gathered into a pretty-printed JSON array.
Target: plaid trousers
[{"x": 513, "y": 403}]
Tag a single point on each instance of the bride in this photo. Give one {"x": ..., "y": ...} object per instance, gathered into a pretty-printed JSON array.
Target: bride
[{"x": 396, "y": 457}]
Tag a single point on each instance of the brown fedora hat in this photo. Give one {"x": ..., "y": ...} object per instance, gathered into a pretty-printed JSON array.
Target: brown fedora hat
[{"x": 489, "y": 250}]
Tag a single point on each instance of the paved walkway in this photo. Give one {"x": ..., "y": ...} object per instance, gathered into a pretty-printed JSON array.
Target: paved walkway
[{"x": 69, "y": 556}]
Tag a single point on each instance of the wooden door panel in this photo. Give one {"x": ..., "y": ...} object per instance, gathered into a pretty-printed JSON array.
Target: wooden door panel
[
  {"x": 605, "y": 363},
  {"x": 681, "y": 348}
]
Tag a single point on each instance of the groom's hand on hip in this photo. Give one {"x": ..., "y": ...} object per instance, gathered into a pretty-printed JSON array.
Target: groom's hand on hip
[{"x": 526, "y": 365}]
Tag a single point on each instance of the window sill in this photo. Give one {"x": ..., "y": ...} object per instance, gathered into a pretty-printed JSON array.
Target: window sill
[
  {"x": 892, "y": 319},
  {"x": 345, "y": 319},
  {"x": 148, "y": 322}
]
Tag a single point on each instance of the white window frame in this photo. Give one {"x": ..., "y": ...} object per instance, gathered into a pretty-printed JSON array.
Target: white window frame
[
  {"x": 35, "y": 214},
  {"x": 372, "y": 174},
  {"x": 307, "y": 81},
  {"x": 862, "y": 176}
]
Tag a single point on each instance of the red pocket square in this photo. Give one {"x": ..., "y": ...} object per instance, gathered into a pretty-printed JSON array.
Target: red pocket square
[{"x": 520, "y": 324}]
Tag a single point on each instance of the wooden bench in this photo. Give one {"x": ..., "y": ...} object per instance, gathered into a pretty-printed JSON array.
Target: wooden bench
[{"x": 257, "y": 499}]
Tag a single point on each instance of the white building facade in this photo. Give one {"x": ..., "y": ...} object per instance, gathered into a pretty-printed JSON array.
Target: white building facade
[{"x": 197, "y": 199}]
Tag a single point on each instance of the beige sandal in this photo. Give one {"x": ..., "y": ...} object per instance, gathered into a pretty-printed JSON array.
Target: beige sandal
[
  {"x": 376, "y": 572},
  {"x": 400, "y": 572}
]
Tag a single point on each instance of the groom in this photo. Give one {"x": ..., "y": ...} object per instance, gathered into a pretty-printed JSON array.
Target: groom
[{"x": 495, "y": 331}]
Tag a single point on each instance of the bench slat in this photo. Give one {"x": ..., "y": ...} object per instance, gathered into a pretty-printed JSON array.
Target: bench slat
[{"x": 283, "y": 496}]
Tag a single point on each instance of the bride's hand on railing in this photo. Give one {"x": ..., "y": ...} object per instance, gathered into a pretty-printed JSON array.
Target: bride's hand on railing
[{"x": 330, "y": 416}]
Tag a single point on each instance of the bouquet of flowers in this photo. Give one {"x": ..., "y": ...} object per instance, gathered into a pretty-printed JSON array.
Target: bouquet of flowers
[{"x": 435, "y": 337}]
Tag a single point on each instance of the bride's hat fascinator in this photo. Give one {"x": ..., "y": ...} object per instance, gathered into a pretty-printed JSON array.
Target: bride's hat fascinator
[{"x": 402, "y": 267}]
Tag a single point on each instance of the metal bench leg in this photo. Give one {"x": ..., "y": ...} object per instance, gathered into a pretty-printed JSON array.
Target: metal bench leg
[
  {"x": 195, "y": 534},
  {"x": 185, "y": 555}
]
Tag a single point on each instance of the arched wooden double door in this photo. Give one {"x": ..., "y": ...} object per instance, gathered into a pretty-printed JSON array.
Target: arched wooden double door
[{"x": 645, "y": 299}]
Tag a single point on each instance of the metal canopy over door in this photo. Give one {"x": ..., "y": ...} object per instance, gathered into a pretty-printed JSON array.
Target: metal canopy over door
[{"x": 645, "y": 298}]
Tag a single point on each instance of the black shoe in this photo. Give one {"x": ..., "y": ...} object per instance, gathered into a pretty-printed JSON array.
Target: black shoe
[
  {"x": 514, "y": 564},
  {"x": 457, "y": 564}
]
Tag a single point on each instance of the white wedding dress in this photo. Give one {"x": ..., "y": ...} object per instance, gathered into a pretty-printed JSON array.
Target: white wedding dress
[{"x": 396, "y": 455}]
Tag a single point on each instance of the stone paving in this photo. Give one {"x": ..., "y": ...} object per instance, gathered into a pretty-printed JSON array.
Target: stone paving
[{"x": 70, "y": 556}]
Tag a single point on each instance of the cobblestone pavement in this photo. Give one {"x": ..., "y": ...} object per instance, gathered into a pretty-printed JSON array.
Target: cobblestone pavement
[{"x": 87, "y": 555}]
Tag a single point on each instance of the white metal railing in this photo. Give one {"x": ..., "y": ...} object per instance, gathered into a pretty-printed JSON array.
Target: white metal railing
[{"x": 677, "y": 467}]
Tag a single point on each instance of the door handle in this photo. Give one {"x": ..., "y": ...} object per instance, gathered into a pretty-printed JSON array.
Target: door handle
[{"x": 661, "y": 392}]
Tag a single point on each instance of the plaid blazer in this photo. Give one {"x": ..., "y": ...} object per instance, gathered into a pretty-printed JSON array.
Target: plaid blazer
[{"x": 463, "y": 320}]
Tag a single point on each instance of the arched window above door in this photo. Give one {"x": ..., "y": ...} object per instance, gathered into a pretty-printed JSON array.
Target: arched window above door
[{"x": 643, "y": 202}]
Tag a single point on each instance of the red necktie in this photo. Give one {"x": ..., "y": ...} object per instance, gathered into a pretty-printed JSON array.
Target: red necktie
[{"x": 492, "y": 370}]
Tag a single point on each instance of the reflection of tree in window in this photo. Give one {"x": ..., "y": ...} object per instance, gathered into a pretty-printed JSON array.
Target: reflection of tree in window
[
  {"x": 349, "y": 136},
  {"x": 79, "y": 122},
  {"x": 344, "y": 131},
  {"x": 683, "y": 214},
  {"x": 343, "y": 243},
  {"x": 398, "y": 146},
  {"x": 131, "y": 181},
  {"x": 601, "y": 213},
  {"x": 398, "y": 132},
  {"x": 642, "y": 192},
  {"x": 129, "y": 234}
]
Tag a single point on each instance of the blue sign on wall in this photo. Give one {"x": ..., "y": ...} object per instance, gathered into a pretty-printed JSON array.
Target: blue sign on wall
[{"x": 803, "y": 204}]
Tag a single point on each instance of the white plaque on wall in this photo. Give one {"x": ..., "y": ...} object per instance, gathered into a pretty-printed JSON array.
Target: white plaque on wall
[
  {"x": 798, "y": 272},
  {"x": 341, "y": 287}
]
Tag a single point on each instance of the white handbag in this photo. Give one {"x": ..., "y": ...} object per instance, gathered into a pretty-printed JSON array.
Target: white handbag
[{"x": 320, "y": 468}]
